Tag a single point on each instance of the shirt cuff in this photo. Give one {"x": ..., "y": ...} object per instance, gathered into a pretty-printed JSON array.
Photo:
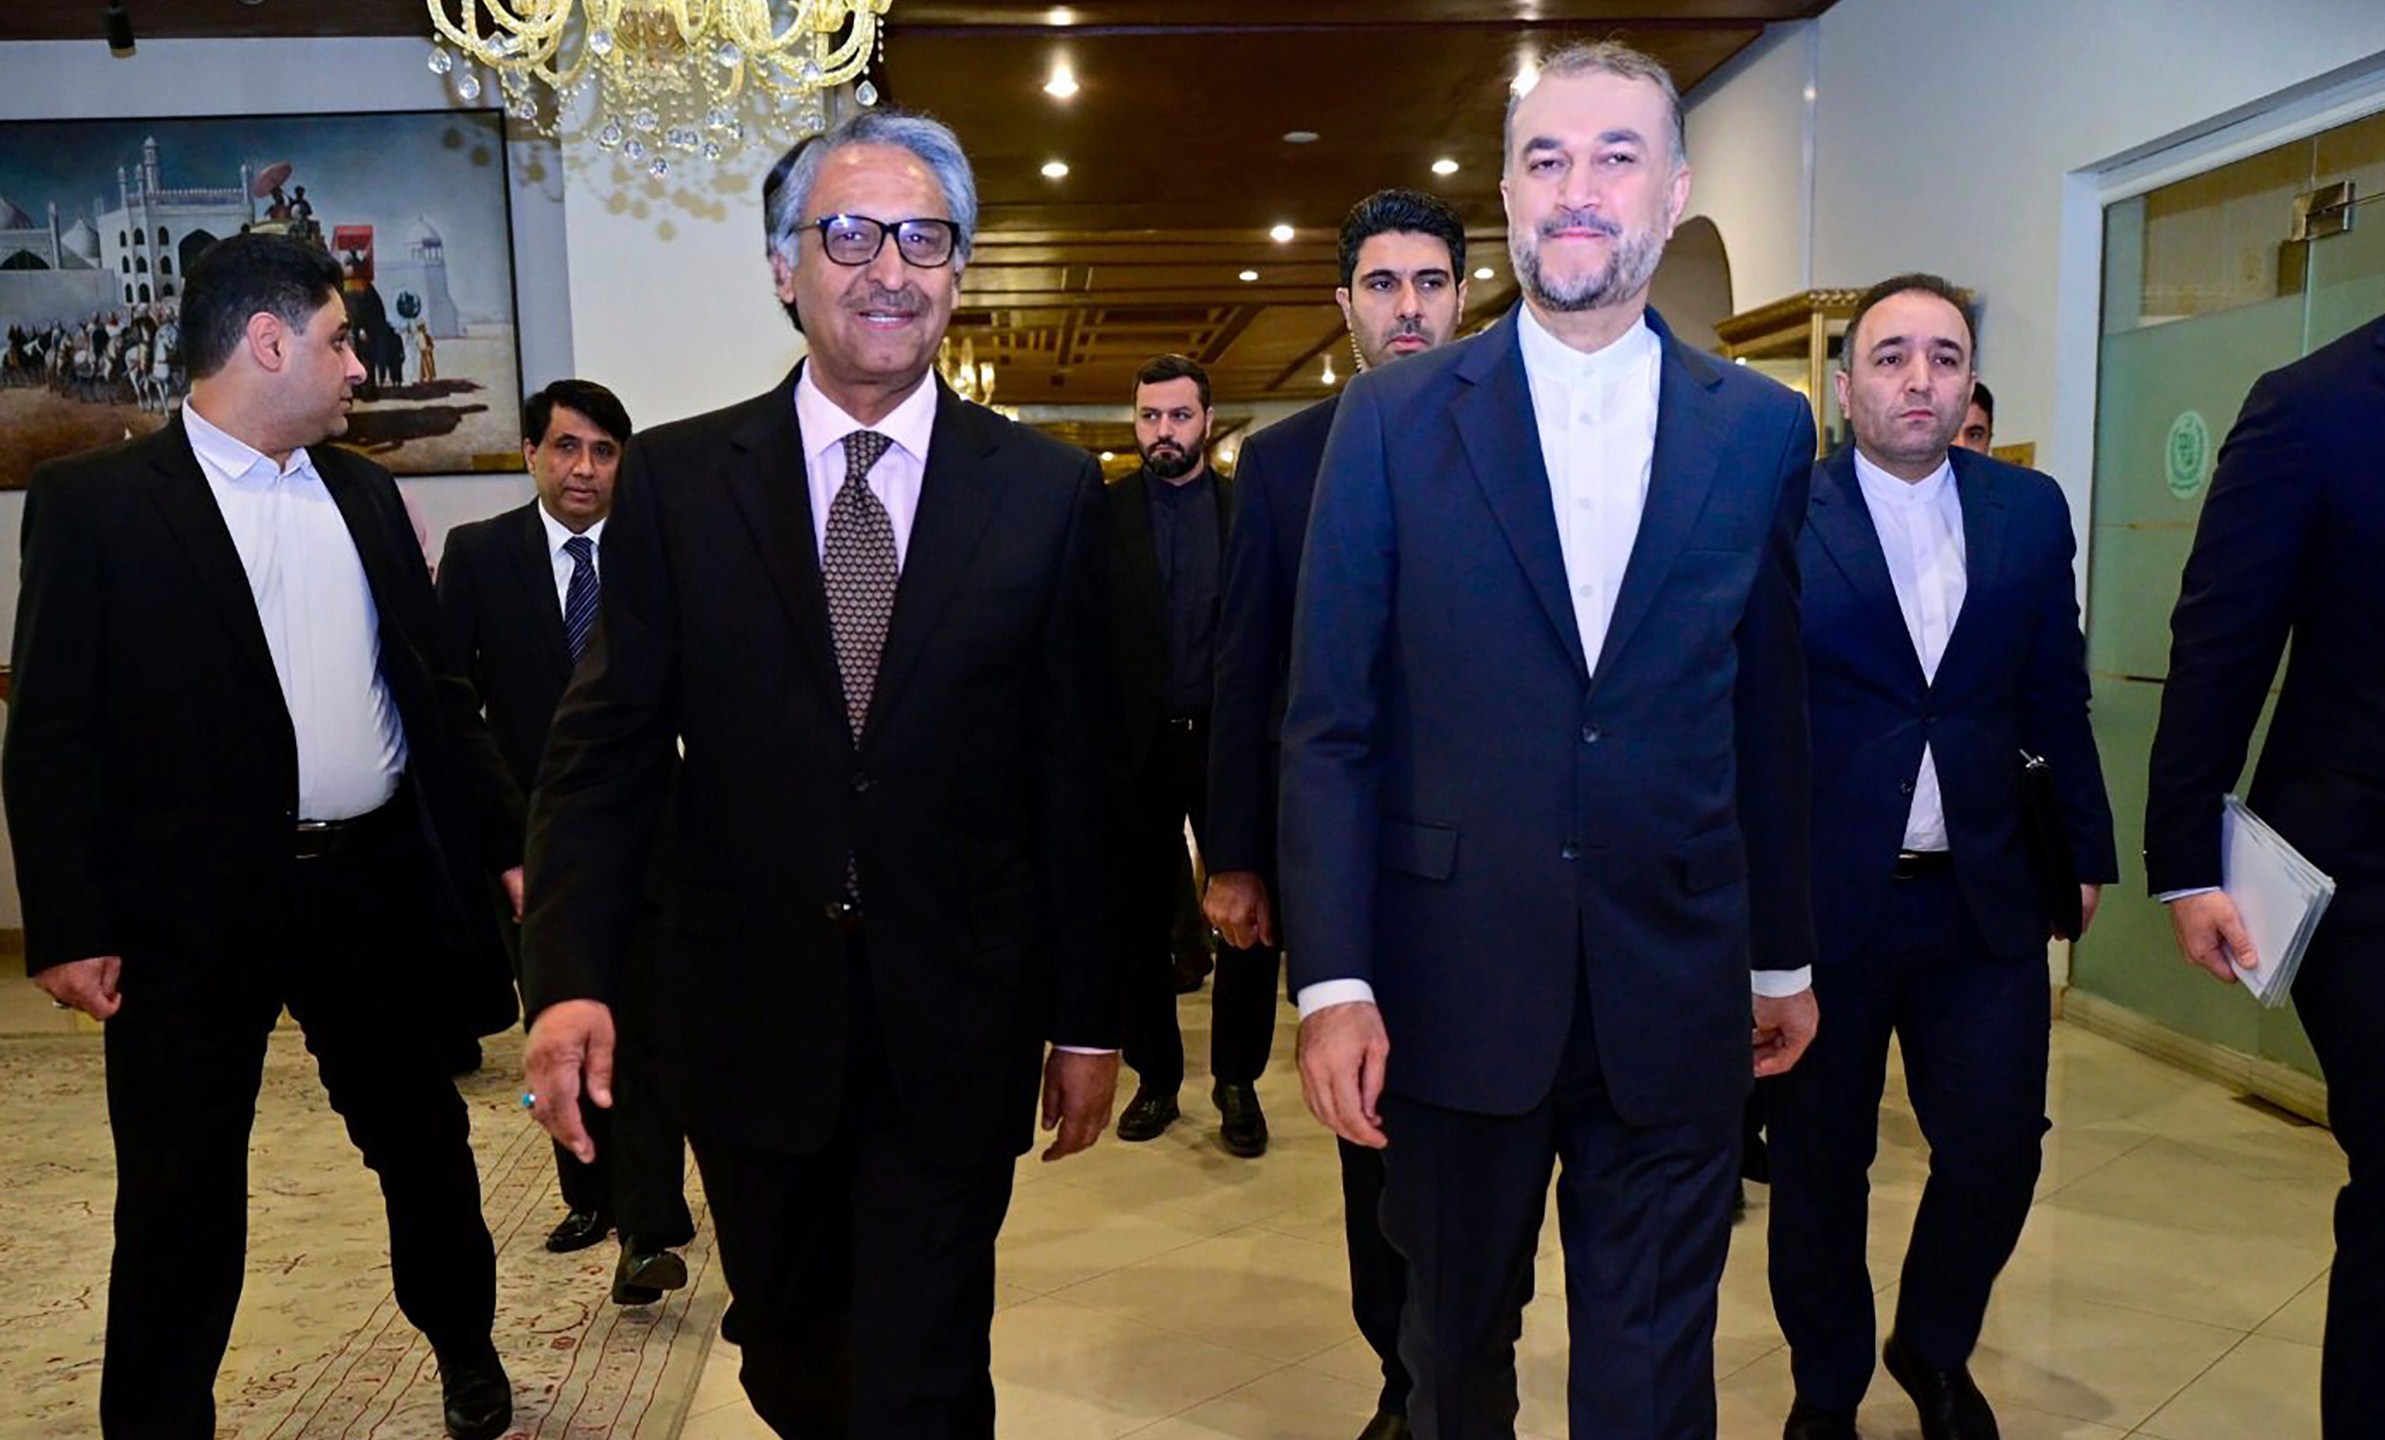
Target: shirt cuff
[
  {"x": 1780, "y": 984},
  {"x": 2166, "y": 896},
  {"x": 1083, "y": 1050},
  {"x": 1313, "y": 998}
]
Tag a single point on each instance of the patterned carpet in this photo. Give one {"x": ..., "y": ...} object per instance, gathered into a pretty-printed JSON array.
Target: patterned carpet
[{"x": 320, "y": 1350}]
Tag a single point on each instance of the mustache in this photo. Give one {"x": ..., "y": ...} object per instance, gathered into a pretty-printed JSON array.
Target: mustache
[
  {"x": 1570, "y": 218},
  {"x": 906, "y": 301}
]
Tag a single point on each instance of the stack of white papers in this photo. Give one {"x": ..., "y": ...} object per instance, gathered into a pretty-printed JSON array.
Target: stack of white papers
[{"x": 2280, "y": 894}]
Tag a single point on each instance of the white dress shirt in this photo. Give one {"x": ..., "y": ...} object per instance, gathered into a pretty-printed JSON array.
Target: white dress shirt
[
  {"x": 1920, "y": 525},
  {"x": 897, "y": 476},
  {"x": 1596, "y": 417},
  {"x": 321, "y": 626},
  {"x": 560, "y": 535}
]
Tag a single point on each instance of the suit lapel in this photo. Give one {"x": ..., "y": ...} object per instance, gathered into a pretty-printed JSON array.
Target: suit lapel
[
  {"x": 1138, "y": 552},
  {"x": 379, "y": 557},
  {"x": 1843, "y": 524},
  {"x": 773, "y": 490},
  {"x": 1982, "y": 500},
  {"x": 197, "y": 524},
  {"x": 534, "y": 570},
  {"x": 1495, "y": 423},
  {"x": 957, "y": 497},
  {"x": 1689, "y": 442}
]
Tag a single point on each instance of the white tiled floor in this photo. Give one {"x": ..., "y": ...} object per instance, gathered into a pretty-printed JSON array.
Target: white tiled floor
[{"x": 1171, "y": 1292}]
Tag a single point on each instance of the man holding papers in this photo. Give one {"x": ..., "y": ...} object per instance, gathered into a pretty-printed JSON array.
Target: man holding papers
[
  {"x": 1941, "y": 641},
  {"x": 2291, "y": 547}
]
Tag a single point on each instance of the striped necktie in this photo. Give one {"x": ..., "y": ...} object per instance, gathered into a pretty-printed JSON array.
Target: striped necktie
[{"x": 579, "y": 600}]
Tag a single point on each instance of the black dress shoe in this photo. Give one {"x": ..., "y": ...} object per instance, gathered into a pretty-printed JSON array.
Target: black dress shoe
[
  {"x": 579, "y": 1230},
  {"x": 1147, "y": 1116},
  {"x": 476, "y": 1396},
  {"x": 1951, "y": 1406},
  {"x": 644, "y": 1272},
  {"x": 1242, "y": 1126},
  {"x": 1812, "y": 1422},
  {"x": 1386, "y": 1426}
]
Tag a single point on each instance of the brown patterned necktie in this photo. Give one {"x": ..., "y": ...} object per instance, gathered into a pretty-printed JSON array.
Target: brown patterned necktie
[{"x": 857, "y": 564}]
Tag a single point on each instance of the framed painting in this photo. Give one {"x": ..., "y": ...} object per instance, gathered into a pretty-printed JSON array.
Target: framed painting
[{"x": 101, "y": 219}]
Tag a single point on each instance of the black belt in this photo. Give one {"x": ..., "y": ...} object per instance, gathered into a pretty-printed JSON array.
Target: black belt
[
  {"x": 321, "y": 839},
  {"x": 844, "y": 915},
  {"x": 1914, "y": 864},
  {"x": 1185, "y": 723}
]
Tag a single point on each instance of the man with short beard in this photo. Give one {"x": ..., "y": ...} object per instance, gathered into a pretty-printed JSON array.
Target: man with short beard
[
  {"x": 1544, "y": 792},
  {"x": 1167, "y": 542},
  {"x": 1403, "y": 291},
  {"x": 1942, "y": 641}
]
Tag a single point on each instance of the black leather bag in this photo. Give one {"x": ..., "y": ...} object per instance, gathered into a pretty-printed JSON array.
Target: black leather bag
[{"x": 2048, "y": 841}]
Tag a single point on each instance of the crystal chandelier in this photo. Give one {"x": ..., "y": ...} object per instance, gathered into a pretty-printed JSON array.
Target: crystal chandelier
[{"x": 666, "y": 77}]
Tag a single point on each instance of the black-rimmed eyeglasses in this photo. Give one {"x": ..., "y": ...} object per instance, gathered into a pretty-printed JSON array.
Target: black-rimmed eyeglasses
[{"x": 857, "y": 239}]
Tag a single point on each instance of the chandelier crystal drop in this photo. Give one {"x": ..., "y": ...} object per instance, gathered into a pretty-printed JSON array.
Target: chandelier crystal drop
[{"x": 677, "y": 69}]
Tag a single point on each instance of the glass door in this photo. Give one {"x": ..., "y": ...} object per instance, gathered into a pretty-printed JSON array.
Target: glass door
[{"x": 2209, "y": 283}]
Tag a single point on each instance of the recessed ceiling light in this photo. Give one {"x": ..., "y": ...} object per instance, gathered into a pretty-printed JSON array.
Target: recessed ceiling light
[
  {"x": 1055, "y": 169},
  {"x": 1300, "y": 137},
  {"x": 1281, "y": 234},
  {"x": 1248, "y": 275},
  {"x": 1445, "y": 166},
  {"x": 1062, "y": 15},
  {"x": 1483, "y": 274},
  {"x": 1063, "y": 82},
  {"x": 1108, "y": 455}
]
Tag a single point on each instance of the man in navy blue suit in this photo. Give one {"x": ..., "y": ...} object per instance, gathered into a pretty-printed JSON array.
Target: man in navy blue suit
[
  {"x": 1403, "y": 291},
  {"x": 1544, "y": 794},
  {"x": 2290, "y": 545},
  {"x": 1942, "y": 640}
]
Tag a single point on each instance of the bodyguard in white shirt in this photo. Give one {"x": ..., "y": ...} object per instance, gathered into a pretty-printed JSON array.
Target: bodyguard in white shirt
[{"x": 1942, "y": 640}]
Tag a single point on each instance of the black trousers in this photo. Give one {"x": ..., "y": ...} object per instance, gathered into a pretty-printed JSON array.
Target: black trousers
[
  {"x": 1645, "y": 1212},
  {"x": 1174, "y": 786},
  {"x": 184, "y": 1059},
  {"x": 1974, "y": 1032},
  {"x": 1378, "y": 1276},
  {"x": 863, "y": 1276},
  {"x": 2334, "y": 994},
  {"x": 639, "y": 1174}
]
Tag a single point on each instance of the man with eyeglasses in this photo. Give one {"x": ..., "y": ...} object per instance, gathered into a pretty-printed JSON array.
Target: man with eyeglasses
[{"x": 872, "y": 614}]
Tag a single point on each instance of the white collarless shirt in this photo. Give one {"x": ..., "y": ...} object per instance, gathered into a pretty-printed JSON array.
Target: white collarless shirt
[
  {"x": 1920, "y": 525},
  {"x": 895, "y": 479},
  {"x": 1596, "y": 414},
  {"x": 320, "y": 623},
  {"x": 560, "y": 535}
]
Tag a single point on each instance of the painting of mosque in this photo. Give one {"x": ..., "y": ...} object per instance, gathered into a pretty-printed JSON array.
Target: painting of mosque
[{"x": 100, "y": 221}]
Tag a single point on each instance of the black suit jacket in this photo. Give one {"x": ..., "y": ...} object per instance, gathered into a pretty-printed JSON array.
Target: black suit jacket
[
  {"x": 1273, "y": 481},
  {"x": 1138, "y": 623},
  {"x": 497, "y": 587},
  {"x": 2291, "y": 545},
  {"x": 1473, "y": 813},
  {"x": 2013, "y": 677},
  {"x": 151, "y": 769},
  {"x": 973, "y": 804}
]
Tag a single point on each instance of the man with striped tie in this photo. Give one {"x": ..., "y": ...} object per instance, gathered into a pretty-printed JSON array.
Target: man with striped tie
[{"x": 520, "y": 590}]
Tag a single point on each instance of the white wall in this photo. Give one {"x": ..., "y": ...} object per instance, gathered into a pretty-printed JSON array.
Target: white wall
[{"x": 1943, "y": 133}]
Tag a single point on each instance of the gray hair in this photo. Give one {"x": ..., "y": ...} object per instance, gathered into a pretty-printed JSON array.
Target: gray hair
[
  {"x": 787, "y": 195},
  {"x": 1606, "y": 57}
]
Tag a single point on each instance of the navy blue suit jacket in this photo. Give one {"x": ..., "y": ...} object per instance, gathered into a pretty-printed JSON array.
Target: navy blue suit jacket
[
  {"x": 1273, "y": 481},
  {"x": 2291, "y": 543},
  {"x": 1471, "y": 815},
  {"x": 2014, "y": 677}
]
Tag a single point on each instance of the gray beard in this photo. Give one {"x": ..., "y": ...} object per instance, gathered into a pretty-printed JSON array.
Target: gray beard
[{"x": 1627, "y": 272}]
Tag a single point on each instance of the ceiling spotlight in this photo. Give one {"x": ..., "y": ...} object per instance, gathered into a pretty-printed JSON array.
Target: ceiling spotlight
[
  {"x": 1329, "y": 377},
  {"x": 1063, "y": 82},
  {"x": 1062, "y": 15},
  {"x": 1055, "y": 169},
  {"x": 1445, "y": 166},
  {"x": 1483, "y": 274},
  {"x": 119, "y": 30},
  {"x": 1281, "y": 234},
  {"x": 1300, "y": 137},
  {"x": 1108, "y": 455},
  {"x": 1248, "y": 275}
]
